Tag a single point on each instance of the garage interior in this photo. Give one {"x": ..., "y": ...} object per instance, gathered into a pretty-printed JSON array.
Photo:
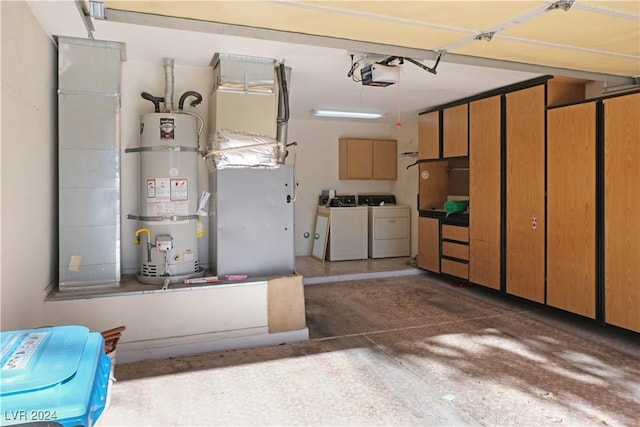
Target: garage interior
[{"x": 524, "y": 312}]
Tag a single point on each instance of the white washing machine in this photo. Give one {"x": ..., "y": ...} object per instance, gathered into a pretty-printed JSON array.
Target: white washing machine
[
  {"x": 388, "y": 226},
  {"x": 347, "y": 232}
]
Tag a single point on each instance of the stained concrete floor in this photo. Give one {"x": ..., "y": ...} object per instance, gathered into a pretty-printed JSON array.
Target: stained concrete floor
[{"x": 407, "y": 350}]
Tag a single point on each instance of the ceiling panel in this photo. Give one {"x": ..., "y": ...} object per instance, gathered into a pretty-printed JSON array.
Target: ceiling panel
[
  {"x": 584, "y": 29},
  {"x": 610, "y": 27},
  {"x": 279, "y": 16},
  {"x": 544, "y": 55},
  {"x": 631, "y": 6},
  {"x": 474, "y": 16}
]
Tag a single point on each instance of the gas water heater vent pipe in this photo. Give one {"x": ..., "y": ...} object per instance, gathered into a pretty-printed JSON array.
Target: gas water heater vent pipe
[
  {"x": 283, "y": 104},
  {"x": 168, "y": 84}
]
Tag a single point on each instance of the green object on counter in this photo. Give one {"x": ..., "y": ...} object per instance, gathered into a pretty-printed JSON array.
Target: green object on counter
[{"x": 455, "y": 206}]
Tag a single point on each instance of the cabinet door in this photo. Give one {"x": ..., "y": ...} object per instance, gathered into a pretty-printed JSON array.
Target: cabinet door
[
  {"x": 484, "y": 192},
  {"x": 621, "y": 207},
  {"x": 429, "y": 243},
  {"x": 571, "y": 208},
  {"x": 385, "y": 159},
  {"x": 525, "y": 142},
  {"x": 429, "y": 135},
  {"x": 455, "y": 131},
  {"x": 356, "y": 159}
]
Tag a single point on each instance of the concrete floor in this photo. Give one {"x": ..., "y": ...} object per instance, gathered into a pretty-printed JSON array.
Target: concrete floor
[{"x": 406, "y": 350}]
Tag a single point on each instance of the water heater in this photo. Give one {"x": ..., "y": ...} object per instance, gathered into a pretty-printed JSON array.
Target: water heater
[{"x": 168, "y": 197}]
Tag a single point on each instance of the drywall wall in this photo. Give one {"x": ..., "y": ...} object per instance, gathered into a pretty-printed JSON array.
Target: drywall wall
[
  {"x": 28, "y": 181},
  {"x": 406, "y": 186}
]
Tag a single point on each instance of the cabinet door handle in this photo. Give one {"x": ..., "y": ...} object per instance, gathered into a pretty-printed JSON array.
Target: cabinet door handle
[
  {"x": 391, "y": 221},
  {"x": 316, "y": 236}
]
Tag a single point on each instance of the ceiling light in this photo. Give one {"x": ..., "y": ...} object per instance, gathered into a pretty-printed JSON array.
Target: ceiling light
[{"x": 346, "y": 114}]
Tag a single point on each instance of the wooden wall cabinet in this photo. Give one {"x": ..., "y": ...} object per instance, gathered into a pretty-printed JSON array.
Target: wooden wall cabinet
[
  {"x": 564, "y": 90},
  {"x": 621, "y": 208},
  {"x": 485, "y": 141},
  {"x": 367, "y": 158},
  {"x": 455, "y": 131},
  {"x": 429, "y": 135},
  {"x": 525, "y": 199},
  {"x": 571, "y": 208}
]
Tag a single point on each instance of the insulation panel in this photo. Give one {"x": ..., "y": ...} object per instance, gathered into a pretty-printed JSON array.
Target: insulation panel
[
  {"x": 550, "y": 56},
  {"x": 476, "y": 16},
  {"x": 610, "y": 27},
  {"x": 279, "y": 16},
  {"x": 583, "y": 29}
]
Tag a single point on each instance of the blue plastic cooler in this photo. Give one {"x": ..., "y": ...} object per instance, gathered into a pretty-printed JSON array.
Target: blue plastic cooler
[{"x": 57, "y": 375}]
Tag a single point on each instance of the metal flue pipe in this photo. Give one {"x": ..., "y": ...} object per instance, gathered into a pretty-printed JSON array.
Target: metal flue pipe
[{"x": 168, "y": 84}]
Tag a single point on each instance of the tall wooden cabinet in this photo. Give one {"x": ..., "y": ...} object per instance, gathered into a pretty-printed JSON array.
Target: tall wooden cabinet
[
  {"x": 525, "y": 204},
  {"x": 621, "y": 211},
  {"x": 484, "y": 191},
  {"x": 571, "y": 208},
  {"x": 553, "y": 182}
]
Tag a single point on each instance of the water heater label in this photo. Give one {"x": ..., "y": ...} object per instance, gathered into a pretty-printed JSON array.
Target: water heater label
[
  {"x": 167, "y": 128},
  {"x": 179, "y": 189},
  {"x": 167, "y": 196},
  {"x": 167, "y": 208},
  {"x": 163, "y": 188}
]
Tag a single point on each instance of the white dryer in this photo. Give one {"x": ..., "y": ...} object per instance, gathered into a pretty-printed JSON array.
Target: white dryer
[{"x": 389, "y": 227}]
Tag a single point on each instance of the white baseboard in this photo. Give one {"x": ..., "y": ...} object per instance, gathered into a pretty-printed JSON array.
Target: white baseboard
[{"x": 204, "y": 343}]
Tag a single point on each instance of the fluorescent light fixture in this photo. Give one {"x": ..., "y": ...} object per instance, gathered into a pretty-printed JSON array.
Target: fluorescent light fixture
[{"x": 345, "y": 114}]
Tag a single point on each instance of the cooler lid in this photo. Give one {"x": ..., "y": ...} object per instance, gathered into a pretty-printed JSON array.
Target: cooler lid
[{"x": 38, "y": 358}]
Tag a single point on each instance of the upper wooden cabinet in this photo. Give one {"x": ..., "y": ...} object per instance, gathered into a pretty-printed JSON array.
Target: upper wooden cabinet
[
  {"x": 429, "y": 135},
  {"x": 455, "y": 131},
  {"x": 563, "y": 90},
  {"x": 368, "y": 158}
]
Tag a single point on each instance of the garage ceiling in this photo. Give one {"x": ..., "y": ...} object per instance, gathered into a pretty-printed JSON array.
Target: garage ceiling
[
  {"x": 317, "y": 39},
  {"x": 589, "y": 36}
]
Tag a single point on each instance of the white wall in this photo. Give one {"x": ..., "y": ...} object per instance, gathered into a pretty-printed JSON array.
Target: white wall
[
  {"x": 29, "y": 180},
  {"x": 406, "y": 187}
]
